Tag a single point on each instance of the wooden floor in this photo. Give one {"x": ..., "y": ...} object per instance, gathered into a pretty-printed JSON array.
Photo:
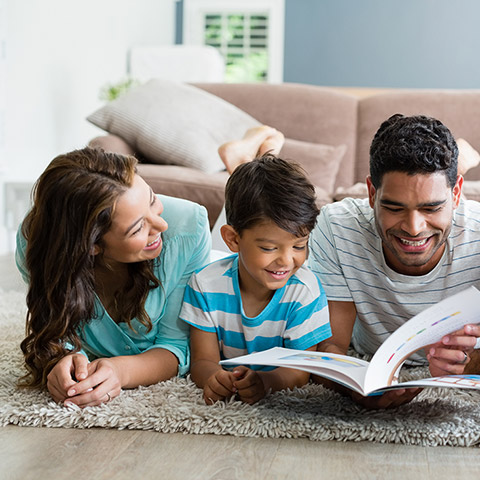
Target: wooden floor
[{"x": 48, "y": 453}]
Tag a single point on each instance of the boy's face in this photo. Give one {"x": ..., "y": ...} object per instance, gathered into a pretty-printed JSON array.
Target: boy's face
[{"x": 268, "y": 257}]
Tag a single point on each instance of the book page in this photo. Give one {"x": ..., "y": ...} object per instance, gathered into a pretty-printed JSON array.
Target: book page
[
  {"x": 348, "y": 371},
  {"x": 450, "y": 381},
  {"x": 424, "y": 329}
]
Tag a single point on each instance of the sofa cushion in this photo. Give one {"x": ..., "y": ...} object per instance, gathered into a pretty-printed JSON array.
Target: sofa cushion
[
  {"x": 359, "y": 190},
  {"x": 174, "y": 123},
  {"x": 321, "y": 162},
  {"x": 304, "y": 112},
  {"x": 322, "y": 197},
  {"x": 471, "y": 190}
]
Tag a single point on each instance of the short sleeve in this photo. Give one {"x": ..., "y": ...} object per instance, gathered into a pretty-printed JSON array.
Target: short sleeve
[
  {"x": 185, "y": 253},
  {"x": 195, "y": 309},
  {"x": 308, "y": 323},
  {"x": 324, "y": 259},
  {"x": 20, "y": 250}
]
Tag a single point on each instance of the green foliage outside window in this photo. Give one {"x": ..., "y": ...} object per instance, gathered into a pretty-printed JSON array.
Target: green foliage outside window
[
  {"x": 251, "y": 68},
  {"x": 242, "y": 41}
]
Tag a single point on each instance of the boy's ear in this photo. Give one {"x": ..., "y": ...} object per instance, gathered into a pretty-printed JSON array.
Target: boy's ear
[{"x": 230, "y": 237}]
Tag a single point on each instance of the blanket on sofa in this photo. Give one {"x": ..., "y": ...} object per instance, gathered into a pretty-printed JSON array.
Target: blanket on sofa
[{"x": 436, "y": 417}]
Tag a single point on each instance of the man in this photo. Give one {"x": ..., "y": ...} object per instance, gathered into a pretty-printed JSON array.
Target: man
[{"x": 413, "y": 242}]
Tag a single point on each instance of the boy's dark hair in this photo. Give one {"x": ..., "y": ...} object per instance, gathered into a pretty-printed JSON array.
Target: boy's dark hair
[
  {"x": 414, "y": 145},
  {"x": 274, "y": 189}
]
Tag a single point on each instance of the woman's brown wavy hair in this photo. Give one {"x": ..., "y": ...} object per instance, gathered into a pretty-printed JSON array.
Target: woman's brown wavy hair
[{"x": 73, "y": 203}]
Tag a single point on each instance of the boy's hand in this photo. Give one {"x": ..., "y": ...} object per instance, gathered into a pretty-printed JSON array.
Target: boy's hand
[
  {"x": 219, "y": 386},
  {"x": 249, "y": 385}
]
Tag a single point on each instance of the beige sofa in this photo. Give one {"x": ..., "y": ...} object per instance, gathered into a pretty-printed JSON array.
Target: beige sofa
[{"x": 327, "y": 130}]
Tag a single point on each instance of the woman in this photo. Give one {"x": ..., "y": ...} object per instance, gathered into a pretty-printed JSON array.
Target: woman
[{"x": 105, "y": 278}]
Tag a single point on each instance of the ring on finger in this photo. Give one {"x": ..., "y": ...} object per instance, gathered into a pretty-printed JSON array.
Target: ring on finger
[
  {"x": 109, "y": 397},
  {"x": 465, "y": 358}
]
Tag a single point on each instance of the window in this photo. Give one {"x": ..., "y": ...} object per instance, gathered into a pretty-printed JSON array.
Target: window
[{"x": 248, "y": 33}]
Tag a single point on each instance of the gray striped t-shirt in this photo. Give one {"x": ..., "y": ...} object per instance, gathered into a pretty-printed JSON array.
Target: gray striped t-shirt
[{"x": 346, "y": 253}]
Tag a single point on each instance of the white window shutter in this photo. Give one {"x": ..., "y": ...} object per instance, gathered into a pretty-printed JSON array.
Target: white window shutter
[{"x": 249, "y": 34}]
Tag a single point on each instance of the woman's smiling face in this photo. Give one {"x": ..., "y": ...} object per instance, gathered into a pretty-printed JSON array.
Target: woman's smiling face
[{"x": 137, "y": 225}]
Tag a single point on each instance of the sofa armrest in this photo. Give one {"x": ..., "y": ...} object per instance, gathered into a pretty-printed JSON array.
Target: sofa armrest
[
  {"x": 112, "y": 143},
  {"x": 175, "y": 181},
  {"x": 183, "y": 182}
]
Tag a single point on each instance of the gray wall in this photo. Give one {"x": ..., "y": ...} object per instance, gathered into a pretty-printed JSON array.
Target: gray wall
[
  {"x": 383, "y": 43},
  {"x": 380, "y": 43}
]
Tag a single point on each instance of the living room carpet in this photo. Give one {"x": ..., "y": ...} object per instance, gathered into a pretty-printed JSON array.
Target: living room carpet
[{"x": 436, "y": 417}]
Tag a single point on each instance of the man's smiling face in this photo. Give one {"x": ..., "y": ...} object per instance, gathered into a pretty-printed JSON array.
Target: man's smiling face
[{"x": 413, "y": 216}]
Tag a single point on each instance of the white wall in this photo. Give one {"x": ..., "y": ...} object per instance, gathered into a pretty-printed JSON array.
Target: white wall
[{"x": 59, "y": 53}]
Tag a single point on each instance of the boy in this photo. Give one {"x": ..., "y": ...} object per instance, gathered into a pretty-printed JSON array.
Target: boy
[{"x": 263, "y": 296}]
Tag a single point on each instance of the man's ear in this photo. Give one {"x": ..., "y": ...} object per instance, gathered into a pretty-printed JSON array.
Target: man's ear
[
  {"x": 371, "y": 191},
  {"x": 457, "y": 191},
  {"x": 230, "y": 237}
]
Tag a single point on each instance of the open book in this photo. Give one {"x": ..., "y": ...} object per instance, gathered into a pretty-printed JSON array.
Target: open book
[{"x": 381, "y": 373}]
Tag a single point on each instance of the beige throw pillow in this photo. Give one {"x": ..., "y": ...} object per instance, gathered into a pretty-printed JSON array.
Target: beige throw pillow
[
  {"x": 174, "y": 123},
  {"x": 321, "y": 162}
]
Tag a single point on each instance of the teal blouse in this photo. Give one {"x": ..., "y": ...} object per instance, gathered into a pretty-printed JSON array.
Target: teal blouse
[{"x": 186, "y": 248}]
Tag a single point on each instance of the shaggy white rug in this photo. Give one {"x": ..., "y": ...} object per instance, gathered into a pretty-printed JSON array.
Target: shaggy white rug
[{"x": 435, "y": 417}]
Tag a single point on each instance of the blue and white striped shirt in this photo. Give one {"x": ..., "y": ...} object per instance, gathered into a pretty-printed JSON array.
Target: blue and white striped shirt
[
  {"x": 296, "y": 316},
  {"x": 346, "y": 252}
]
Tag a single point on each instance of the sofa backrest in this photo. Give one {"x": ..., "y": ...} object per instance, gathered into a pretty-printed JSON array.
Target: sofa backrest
[
  {"x": 327, "y": 116},
  {"x": 459, "y": 110},
  {"x": 301, "y": 112}
]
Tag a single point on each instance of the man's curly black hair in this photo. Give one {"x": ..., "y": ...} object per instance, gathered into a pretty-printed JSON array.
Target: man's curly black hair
[{"x": 414, "y": 145}]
